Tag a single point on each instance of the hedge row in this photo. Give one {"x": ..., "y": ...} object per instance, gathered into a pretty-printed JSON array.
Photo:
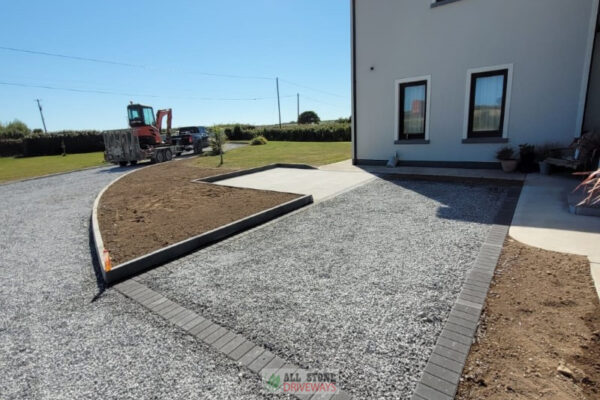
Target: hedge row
[
  {"x": 11, "y": 147},
  {"x": 336, "y": 132},
  {"x": 52, "y": 144}
]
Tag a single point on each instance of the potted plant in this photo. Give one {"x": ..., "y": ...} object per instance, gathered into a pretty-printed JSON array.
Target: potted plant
[
  {"x": 506, "y": 156},
  {"x": 542, "y": 153}
]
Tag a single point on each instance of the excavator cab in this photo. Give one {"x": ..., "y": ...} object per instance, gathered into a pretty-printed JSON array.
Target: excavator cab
[
  {"x": 140, "y": 115},
  {"x": 145, "y": 126}
]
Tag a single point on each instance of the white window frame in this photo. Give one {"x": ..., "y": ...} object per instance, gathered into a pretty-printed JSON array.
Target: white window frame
[
  {"x": 397, "y": 84},
  {"x": 509, "y": 78}
]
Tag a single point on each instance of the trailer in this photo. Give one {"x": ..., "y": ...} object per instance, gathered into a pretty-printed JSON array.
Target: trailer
[
  {"x": 143, "y": 139},
  {"x": 123, "y": 147}
]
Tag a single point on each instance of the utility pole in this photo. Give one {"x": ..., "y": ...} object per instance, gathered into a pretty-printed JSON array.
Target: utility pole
[
  {"x": 278, "y": 102},
  {"x": 298, "y": 106},
  {"x": 42, "y": 115}
]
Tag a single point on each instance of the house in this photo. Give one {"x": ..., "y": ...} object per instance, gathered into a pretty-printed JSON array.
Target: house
[{"x": 449, "y": 82}]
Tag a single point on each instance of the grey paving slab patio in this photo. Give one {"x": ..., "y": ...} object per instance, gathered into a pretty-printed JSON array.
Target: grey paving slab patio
[{"x": 362, "y": 283}]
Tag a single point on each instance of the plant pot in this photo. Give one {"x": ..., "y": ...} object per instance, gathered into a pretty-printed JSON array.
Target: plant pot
[
  {"x": 544, "y": 168},
  {"x": 508, "y": 165}
]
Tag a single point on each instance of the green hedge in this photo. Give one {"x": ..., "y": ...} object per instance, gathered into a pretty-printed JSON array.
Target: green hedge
[
  {"x": 333, "y": 132},
  {"x": 51, "y": 144},
  {"x": 11, "y": 147}
]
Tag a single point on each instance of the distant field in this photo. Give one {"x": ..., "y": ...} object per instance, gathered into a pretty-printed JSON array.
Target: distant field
[
  {"x": 28, "y": 167},
  {"x": 312, "y": 153}
]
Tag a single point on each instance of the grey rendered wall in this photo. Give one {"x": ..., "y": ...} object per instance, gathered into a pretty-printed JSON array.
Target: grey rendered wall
[
  {"x": 592, "y": 111},
  {"x": 545, "y": 40}
]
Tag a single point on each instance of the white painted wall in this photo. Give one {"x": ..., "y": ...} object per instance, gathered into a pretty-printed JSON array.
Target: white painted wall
[{"x": 546, "y": 41}]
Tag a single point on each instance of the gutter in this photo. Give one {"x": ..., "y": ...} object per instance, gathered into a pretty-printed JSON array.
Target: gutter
[
  {"x": 592, "y": 61},
  {"x": 353, "y": 12}
]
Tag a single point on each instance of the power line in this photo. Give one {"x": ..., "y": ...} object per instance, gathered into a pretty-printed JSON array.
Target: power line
[
  {"x": 313, "y": 89},
  {"x": 322, "y": 102},
  {"x": 96, "y": 60},
  {"x": 106, "y": 92},
  {"x": 123, "y": 64}
]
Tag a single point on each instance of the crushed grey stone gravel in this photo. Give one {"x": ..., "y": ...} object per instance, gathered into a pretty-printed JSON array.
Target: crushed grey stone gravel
[
  {"x": 361, "y": 283},
  {"x": 60, "y": 340}
]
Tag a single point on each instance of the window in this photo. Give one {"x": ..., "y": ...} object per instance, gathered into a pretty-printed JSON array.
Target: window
[
  {"x": 487, "y": 104},
  {"x": 412, "y": 110},
  {"x": 149, "y": 116}
]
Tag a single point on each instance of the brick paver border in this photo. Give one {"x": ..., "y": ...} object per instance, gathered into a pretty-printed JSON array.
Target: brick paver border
[
  {"x": 254, "y": 357},
  {"x": 442, "y": 374}
]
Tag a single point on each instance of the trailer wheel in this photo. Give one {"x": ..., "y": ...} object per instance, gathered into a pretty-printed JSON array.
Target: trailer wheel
[
  {"x": 134, "y": 162},
  {"x": 160, "y": 156},
  {"x": 122, "y": 163},
  {"x": 168, "y": 155}
]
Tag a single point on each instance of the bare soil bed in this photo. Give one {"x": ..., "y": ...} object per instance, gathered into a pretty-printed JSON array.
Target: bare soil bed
[
  {"x": 540, "y": 331},
  {"x": 160, "y": 205}
]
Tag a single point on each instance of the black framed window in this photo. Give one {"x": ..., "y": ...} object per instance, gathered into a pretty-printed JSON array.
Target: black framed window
[
  {"x": 413, "y": 110},
  {"x": 487, "y": 103}
]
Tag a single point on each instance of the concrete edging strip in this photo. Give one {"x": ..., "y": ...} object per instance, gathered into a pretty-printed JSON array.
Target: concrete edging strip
[
  {"x": 176, "y": 250},
  {"x": 442, "y": 373},
  {"x": 235, "y": 174}
]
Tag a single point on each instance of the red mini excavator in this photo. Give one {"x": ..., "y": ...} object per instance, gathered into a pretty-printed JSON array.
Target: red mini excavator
[{"x": 146, "y": 127}]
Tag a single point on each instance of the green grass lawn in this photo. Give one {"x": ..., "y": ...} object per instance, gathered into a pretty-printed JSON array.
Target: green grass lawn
[
  {"x": 28, "y": 167},
  {"x": 312, "y": 153}
]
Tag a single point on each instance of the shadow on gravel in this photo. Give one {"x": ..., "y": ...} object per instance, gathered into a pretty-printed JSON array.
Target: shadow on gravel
[
  {"x": 451, "y": 196},
  {"x": 95, "y": 265}
]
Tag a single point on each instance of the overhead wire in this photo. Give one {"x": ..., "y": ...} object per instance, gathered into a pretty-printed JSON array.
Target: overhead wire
[{"x": 107, "y": 92}]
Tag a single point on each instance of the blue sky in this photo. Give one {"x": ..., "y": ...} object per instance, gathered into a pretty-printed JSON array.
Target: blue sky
[{"x": 305, "y": 42}]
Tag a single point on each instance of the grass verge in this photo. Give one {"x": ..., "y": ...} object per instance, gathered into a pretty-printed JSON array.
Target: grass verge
[
  {"x": 28, "y": 167},
  {"x": 312, "y": 153}
]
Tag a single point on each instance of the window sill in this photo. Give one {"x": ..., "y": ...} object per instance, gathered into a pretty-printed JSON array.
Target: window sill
[
  {"x": 412, "y": 141},
  {"x": 485, "y": 140},
  {"x": 442, "y": 3}
]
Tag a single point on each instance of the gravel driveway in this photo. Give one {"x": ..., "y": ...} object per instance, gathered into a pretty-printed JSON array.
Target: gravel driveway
[
  {"x": 58, "y": 339},
  {"x": 361, "y": 283}
]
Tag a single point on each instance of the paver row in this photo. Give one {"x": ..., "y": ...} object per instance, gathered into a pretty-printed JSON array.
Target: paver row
[
  {"x": 256, "y": 358},
  {"x": 441, "y": 376}
]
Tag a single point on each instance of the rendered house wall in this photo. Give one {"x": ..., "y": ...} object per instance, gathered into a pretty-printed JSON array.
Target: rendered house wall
[{"x": 545, "y": 41}]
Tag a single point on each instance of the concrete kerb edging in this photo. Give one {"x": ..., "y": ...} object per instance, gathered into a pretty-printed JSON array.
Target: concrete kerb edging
[
  {"x": 595, "y": 272},
  {"x": 235, "y": 174},
  {"x": 161, "y": 256},
  {"x": 441, "y": 376}
]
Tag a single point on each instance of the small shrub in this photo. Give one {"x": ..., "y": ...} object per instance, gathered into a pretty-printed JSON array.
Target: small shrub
[
  {"x": 258, "y": 140},
  {"x": 505, "y": 153},
  {"x": 217, "y": 142},
  {"x": 546, "y": 150}
]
